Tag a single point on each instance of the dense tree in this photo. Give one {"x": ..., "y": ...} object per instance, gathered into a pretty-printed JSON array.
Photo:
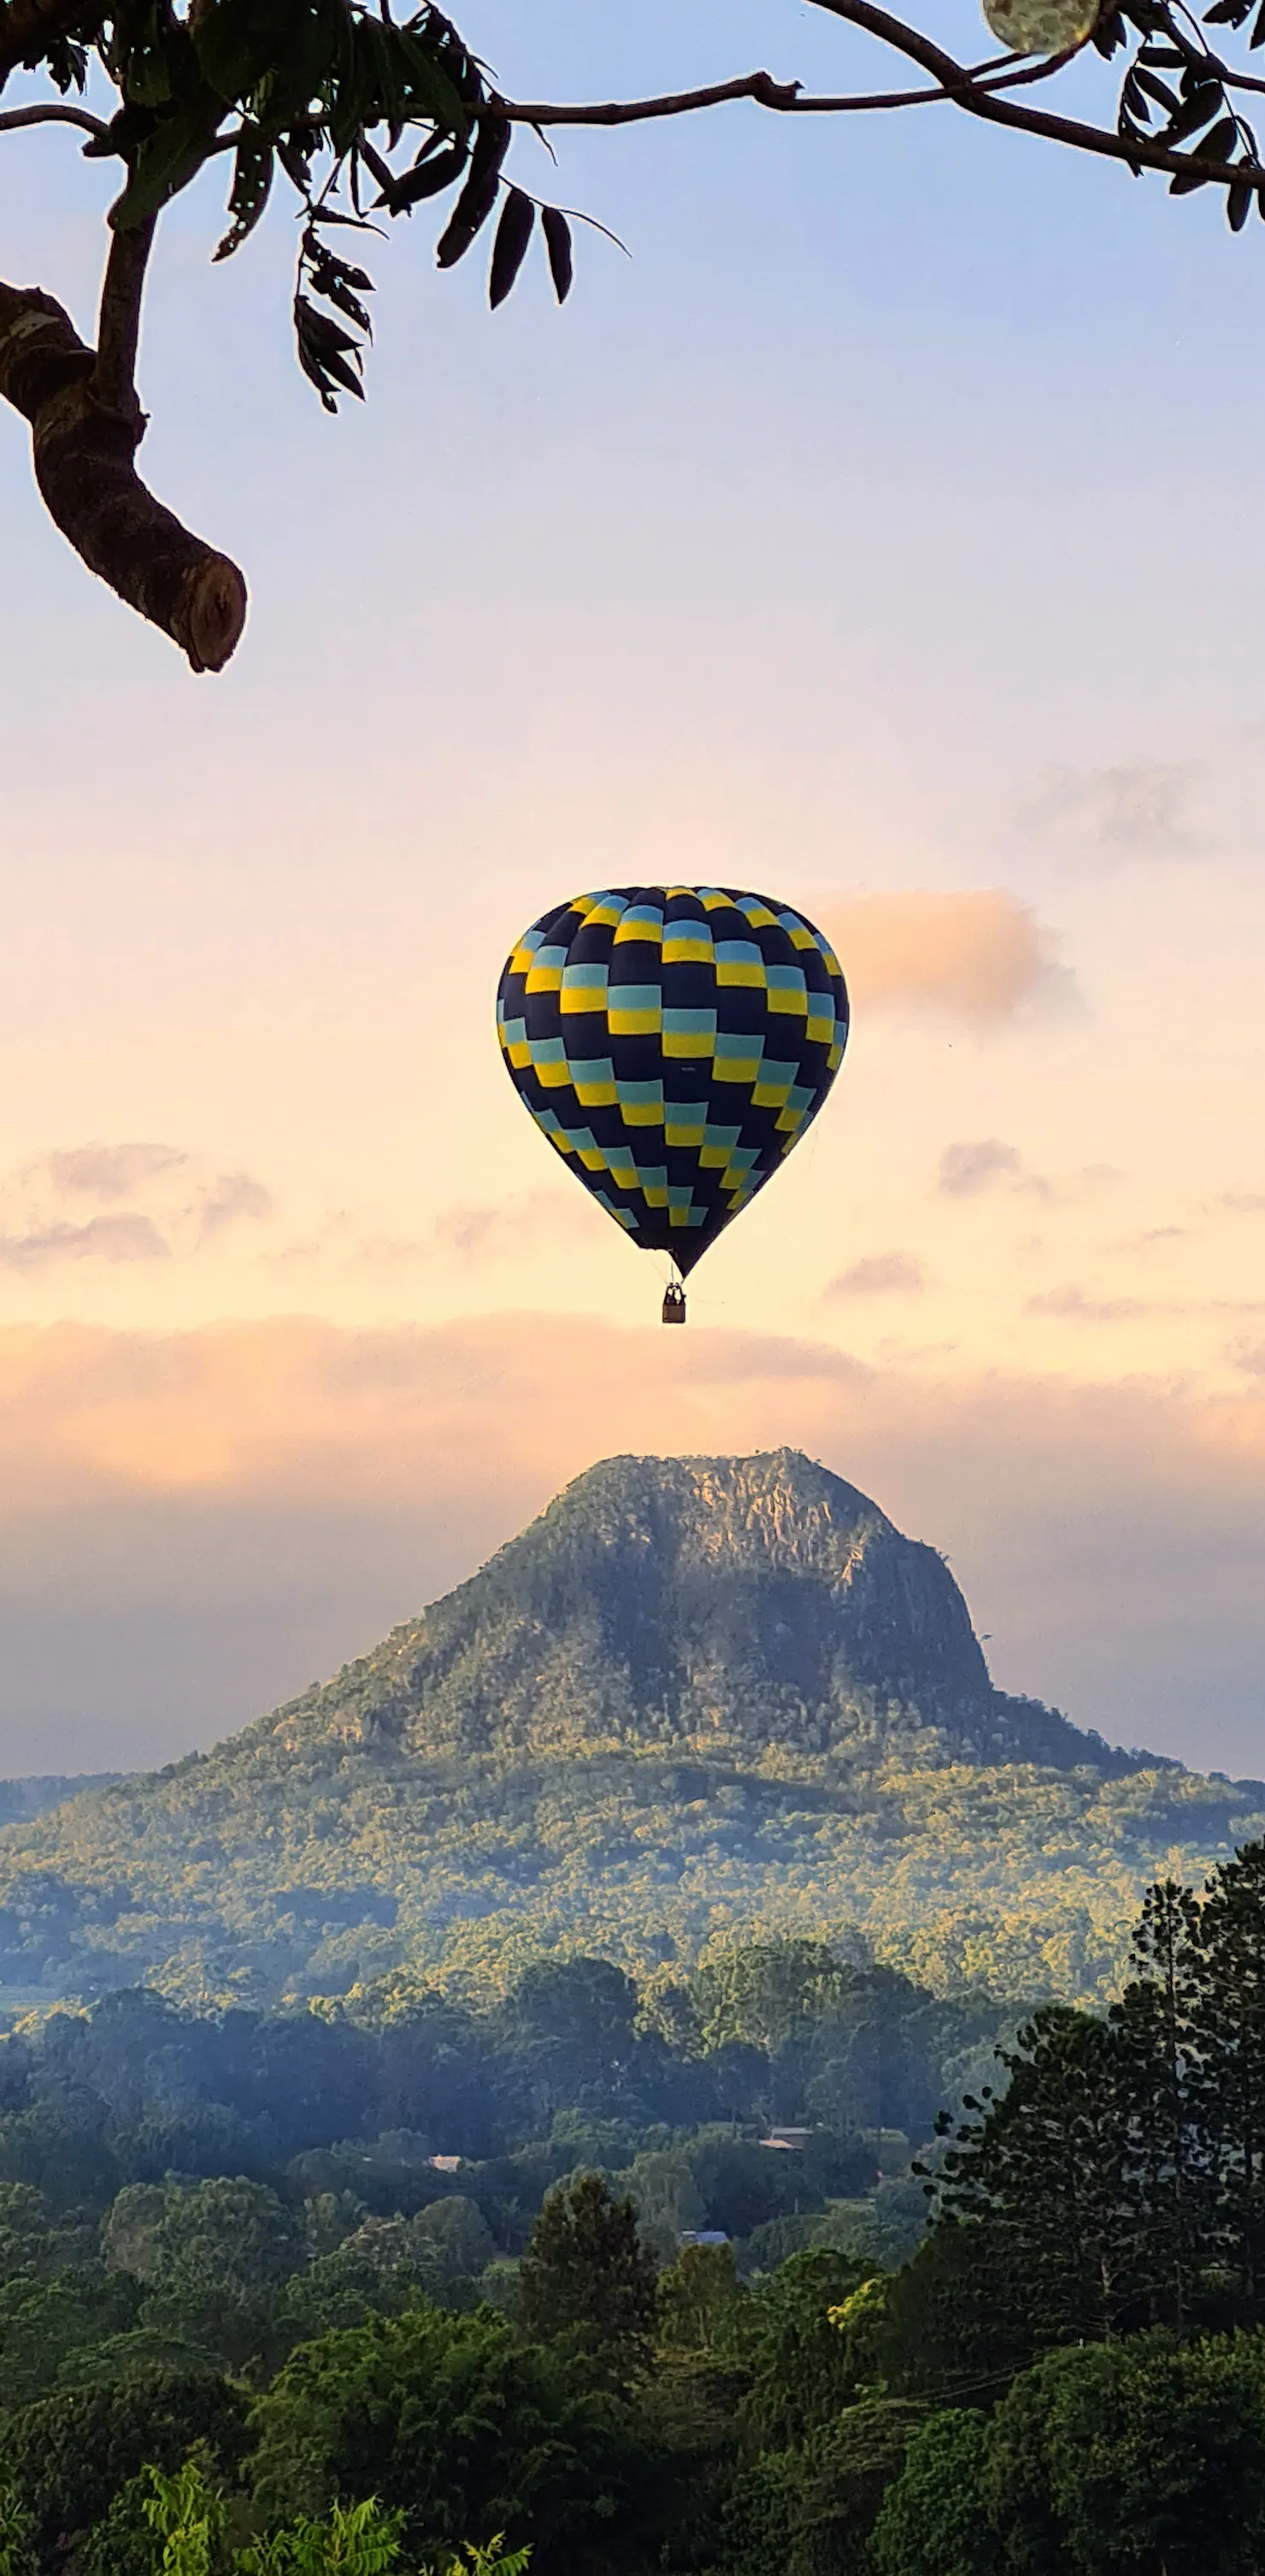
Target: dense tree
[
  {"x": 1049, "y": 2170},
  {"x": 1120, "y": 2175},
  {"x": 1229, "y": 2016},
  {"x": 1098, "y": 2462},
  {"x": 801, "y": 2365},
  {"x": 353, "y": 109},
  {"x": 461, "y": 2426},
  {"x": 67, "y": 2456},
  {"x": 586, "y": 2273}
]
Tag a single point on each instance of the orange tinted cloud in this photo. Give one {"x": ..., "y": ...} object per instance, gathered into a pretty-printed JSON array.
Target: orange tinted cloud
[{"x": 978, "y": 957}]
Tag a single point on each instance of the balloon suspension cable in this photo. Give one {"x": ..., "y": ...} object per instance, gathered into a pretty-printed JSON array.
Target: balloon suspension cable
[{"x": 674, "y": 1301}]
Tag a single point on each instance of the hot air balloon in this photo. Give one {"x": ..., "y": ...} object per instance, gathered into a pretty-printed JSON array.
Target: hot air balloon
[{"x": 674, "y": 1043}]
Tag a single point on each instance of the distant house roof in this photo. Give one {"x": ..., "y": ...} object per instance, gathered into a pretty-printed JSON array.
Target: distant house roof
[
  {"x": 703, "y": 2236},
  {"x": 795, "y": 2139},
  {"x": 445, "y": 2164}
]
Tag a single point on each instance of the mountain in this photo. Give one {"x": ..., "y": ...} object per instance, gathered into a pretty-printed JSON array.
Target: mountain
[
  {"x": 696, "y": 1696},
  {"x": 35, "y": 1792}
]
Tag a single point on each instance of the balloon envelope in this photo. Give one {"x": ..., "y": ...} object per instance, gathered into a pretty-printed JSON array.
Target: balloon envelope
[{"x": 674, "y": 1043}]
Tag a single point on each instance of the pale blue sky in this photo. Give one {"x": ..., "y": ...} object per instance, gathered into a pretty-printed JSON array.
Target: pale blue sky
[{"x": 890, "y": 519}]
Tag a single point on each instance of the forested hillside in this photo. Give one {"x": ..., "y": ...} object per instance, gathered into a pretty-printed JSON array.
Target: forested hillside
[
  {"x": 779, "y": 2264},
  {"x": 695, "y": 1696}
]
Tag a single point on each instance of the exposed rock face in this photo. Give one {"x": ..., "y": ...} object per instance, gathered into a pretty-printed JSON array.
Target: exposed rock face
[
  {"x": 751, "y": 1607},
  {"x": 697, "y": 1694}
]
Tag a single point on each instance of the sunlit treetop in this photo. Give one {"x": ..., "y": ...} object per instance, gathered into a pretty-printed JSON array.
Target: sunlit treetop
[{"x": 365, "y": 118}]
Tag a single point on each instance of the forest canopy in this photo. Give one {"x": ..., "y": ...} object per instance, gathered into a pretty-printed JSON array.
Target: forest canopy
[{"x": 676, "y": 2296}]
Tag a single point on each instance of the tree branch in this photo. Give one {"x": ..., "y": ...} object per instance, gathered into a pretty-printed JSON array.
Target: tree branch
[
  {"x": 83, "y": 448},
  {"x": 787, "y": 98},
  {"x": 46, "y": 113},
  {"x": 979, "y": 90},
  {"x": 919, "y": 49},
  {"x": 635, "y": 111},
  {"x": 119, "y": 320}
]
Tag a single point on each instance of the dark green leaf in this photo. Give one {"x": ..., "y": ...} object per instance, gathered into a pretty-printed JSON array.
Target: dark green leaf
[
  {"x": 509, "y": 250},
  {"x": 296, "y": 163},
  {"x": 318, "y": 332},
  {"x": 1202, "y": 104},
  {"x": 312, "y": 368},
  {"x": 557, "y": 232},
  {"x": 343, "y": 375},
  {"x": 248, "y": 196},
  {"x": 1185, "y": 180},
  {"x": 1257, "y": 36},
  {"x": 430, "y": 88},
  {"x": 1220, "y": 143},
  {"x": 427, "y": 181},
  {"x": 1238, "y": 204},
  {"x": 67, "y": 64},
  {"x": 1158, "y": 90},
  {"x": 378, "y": 168},
  {"x": 479, "y": 195}
]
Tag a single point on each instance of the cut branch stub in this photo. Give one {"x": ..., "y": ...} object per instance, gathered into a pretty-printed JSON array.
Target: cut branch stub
[{"x": 83, "y": 452}]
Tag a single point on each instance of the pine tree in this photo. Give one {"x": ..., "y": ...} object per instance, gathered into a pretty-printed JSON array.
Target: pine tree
[
  {"x": 587, "y": 2273},
  {"x": 1231, "y": 2037},
  {"x": 1048, "y": 2169},
  {"x": 1170, "y": 2165}
]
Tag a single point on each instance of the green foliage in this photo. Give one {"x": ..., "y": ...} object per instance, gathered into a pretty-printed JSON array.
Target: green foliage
[
  {"x": 521, "y": 1771},
  {"x": 350, "y": 2540},
  {"x": 17, "y": 2557},
  {"x": 587, "y": 2274},
  {"x": 696, "y": 2298},
  {"x": 933, "y": 2519},
  {"x": 186, "y": 2518},
  {"x": 801, "y": 2367},
  {"x": 457, "y": 2424},
  {"x": 69, "y": 2455},
  {"x": 1098, "y": 2462}
]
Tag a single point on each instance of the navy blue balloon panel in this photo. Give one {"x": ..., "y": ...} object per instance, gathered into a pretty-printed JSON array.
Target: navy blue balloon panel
[{"x": 674, "y": 1043}]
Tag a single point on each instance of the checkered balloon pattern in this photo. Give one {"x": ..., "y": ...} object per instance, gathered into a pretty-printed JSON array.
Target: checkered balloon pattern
[{"x": 673, "y": 1042}]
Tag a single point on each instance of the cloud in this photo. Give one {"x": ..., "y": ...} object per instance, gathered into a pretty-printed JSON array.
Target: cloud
[
  {"x": 155, "y": 1201},
  {"x": 968, "y": 1168},
  {"x": 1241, "y": 1202},
  {"x": 104, "y": 1171},
  {"x": 231, "y": 1199},
  {"x": 541, "y": 1217},
  {"x": 979, "y": 957},
  {"x": 193, "y": 1525},
  {"x": 470, "y": 1233},
  {"x": 126, "y": 1237},
  {"x": 973, "y": 1165},
  {"x": 1076, "y": 1307},
  {"x": 1130, "y": 809},
  {"x": 1248, "y": 1356},
  {"x": 880, "y": 1274}
]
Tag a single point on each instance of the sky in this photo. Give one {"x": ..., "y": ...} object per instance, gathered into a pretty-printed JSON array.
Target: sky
[{"x": 882, "y": 527}]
